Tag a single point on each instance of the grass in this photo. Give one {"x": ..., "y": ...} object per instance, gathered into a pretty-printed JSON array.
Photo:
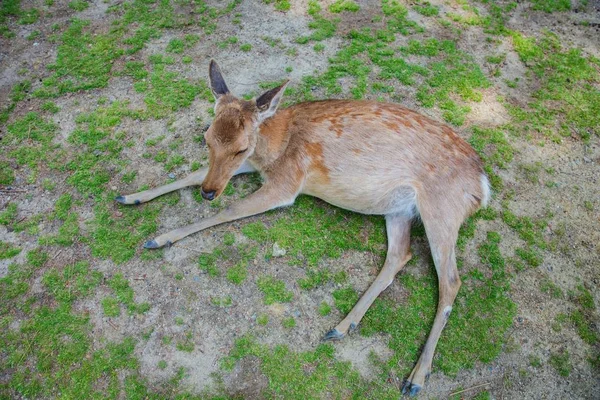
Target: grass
[
  {"x": 280, "y": 5},
  {"x": 274, "y": 290},
  {"x": 120, "y": 237},
  {"x": 455, "y": 74},
  {"x": 566, "y": 99},
  {"x": 55, "y": 341},
  {"x": 79, "y": 5},
  {"x": 234, "y": 258},
  {"x": 8, "y": 251},
  {"x": 561, "y": 362},
  {"x": 322, "y": 28},
  {"x": 302, "y": 230},
  {"x": 9, "y": 214},
  {"x": 427, "y": 9},
  {"x": 166, "y": 92},
  {"x": 7, "y": 175},
  {"x": 339, "y": 6},
  {"x": 8, "y": 9},
  {"x": 551, "y": 6},
  {"x": 311, "y": 374},
  {"x": 84, "y": 61}
]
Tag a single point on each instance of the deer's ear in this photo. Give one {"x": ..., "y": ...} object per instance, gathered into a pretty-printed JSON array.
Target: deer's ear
[
  {"x": 267, "y": 103},
  {"x": 217, "y": 83}
]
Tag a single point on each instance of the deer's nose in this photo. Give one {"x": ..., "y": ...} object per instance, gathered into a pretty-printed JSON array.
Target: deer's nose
[{"x": 210, "y": 195}]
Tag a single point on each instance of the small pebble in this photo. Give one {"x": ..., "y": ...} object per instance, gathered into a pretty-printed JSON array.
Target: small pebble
[{"x": 172, "y": 175}]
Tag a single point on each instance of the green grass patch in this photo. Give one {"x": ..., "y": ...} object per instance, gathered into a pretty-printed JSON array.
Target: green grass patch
[
  {"x": 8, "y": 251},
  {"x": 339, "y": 6},
  {"x": 280, "y": 5},
  {"x": 84, "y": 61},
  {"x": 68, "y": 233},
  {"x": 321, "y": 27},
  {"x": 73, "y": 282},
  {"x": 319, "y": 277},
  {"x": 301, "y": 375},
  {"x": 530, "y": 256},
  {"x": 427, "y": 9},
  {"x": 167, "y": 92},
  {"x": 79, "y": 5},
  {"x": 28, "y": 142},
  {"x": 7, "y": 175},
  {"x": 567, "y": 98},
  {"x": 29, "y": 16},
  {"x": 311, "y": 230},
  {"x": 119, "y": 237},
  {"x": 455, "y": 74},
  {"x": 324, "y": 309},
  {"x": 9, "y": 214},
  {"x": 345, "y": 299},
  {"x": 8, "y": 9},
  {"x": 551, "y": 6},
  {"x": 561, "y": 362},
  {"x": 529, "y": 229},
  {"x": 124, "y": 294},
  {"x": 50, "y": 352},
  {"x": 274, "y": 290},
  {"x": 493, "y": 146},
  {"x": 222, "y": 302},
  {"x": 234, "y": 258}
]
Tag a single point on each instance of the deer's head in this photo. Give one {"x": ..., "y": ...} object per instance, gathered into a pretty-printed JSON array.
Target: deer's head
[{"x": 232, "y": 137}]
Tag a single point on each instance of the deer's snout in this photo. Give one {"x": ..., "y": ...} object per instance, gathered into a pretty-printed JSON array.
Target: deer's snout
[{"x": 209, "y": 195}]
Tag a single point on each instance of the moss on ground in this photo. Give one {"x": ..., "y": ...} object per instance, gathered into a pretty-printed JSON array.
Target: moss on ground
[{"x": 311, "y": 230}]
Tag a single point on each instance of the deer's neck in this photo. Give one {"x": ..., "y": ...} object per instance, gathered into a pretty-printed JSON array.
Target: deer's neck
[{"x": 273, "y": 139}]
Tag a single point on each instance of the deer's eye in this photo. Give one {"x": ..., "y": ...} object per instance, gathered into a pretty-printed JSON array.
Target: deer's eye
[{"x": 241, "y": 152}]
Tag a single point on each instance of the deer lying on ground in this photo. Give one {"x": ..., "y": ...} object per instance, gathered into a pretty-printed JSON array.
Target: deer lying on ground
[{"x": 364, "y": 156}]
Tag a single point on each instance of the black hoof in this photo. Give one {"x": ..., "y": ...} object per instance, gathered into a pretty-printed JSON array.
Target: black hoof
[
  {"x": 334, "y": 334},
  {"x": 151, "y": 244},
  {"x": 120, "y": 199},
  {"x": 412, "y": 389},
  {"x": 136, "y": 202}
]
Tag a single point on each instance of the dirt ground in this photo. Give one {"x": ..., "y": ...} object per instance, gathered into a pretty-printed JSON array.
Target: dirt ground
[{"x": 182, "y": 297}]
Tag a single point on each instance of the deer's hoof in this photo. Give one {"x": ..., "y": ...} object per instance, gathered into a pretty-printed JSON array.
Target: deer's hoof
[
  {"x": 334, "y": 334},
  {"x": 412, "y": 389},
  {"x": 120, "y": 199},
  {"x": 151, "y": 244}
]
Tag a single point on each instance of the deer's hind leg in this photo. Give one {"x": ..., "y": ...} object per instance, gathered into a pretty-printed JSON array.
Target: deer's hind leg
[
  {"x": 398, "y": 254},
  {"x": 442, "y": 219},
  {"x": 193, "y": 179}
]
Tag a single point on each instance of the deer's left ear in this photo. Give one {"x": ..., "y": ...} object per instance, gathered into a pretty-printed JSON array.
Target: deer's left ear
[
  {"x": 267, "y": 103},
  {"x": 217, "y": 83}
]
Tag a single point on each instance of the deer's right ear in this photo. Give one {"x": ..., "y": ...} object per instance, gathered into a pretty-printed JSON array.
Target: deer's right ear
[{"x": 217, "y": 83}]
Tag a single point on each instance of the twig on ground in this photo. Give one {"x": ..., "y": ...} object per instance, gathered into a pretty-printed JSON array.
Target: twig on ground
[{"x": 467, "y": 389}]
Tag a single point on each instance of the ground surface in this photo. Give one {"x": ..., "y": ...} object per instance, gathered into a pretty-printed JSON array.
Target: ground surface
[{"x": 104, "y": 98}]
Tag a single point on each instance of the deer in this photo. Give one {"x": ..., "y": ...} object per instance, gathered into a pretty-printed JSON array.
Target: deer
[{"x": 365, "y": 156}]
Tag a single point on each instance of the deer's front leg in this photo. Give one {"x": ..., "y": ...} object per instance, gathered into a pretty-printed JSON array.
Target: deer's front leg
[
  {"x": 264, "y": 199},
  {"x": 193, "y": 179}
]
